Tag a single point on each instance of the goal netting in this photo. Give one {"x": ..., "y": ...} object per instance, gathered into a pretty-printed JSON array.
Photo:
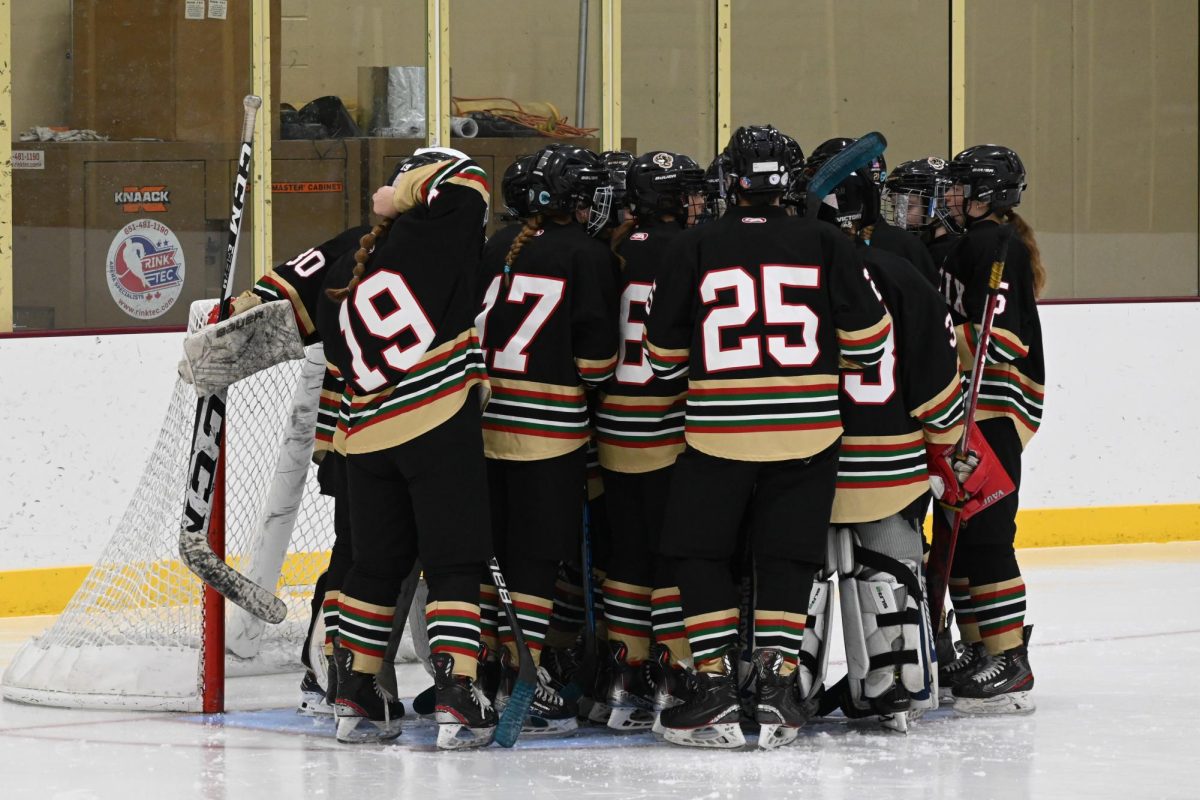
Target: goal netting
[{"x": 132, "y": 635}]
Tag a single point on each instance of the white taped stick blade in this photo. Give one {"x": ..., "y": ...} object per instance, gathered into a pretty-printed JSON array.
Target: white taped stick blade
[{"x": 223, "y": 354}]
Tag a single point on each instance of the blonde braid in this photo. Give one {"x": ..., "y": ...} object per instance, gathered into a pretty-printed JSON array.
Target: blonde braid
[
  {"x": 531, "y": 227},
  {"x": 366, "y": 245}
]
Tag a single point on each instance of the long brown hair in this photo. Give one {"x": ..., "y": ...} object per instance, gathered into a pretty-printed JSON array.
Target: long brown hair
[
  {"x": 514, "y": 250},
  {"x": 365, "y": 245},
  {"x": 1025, "y": 234},
  {"x": 619, "y": 235}
]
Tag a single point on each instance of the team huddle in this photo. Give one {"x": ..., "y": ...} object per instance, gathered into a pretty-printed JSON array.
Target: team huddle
[{"x": 676, "y": 405}]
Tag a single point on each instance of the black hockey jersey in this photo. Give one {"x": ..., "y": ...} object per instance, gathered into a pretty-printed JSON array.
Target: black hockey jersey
[
  {"x": 939, "y": 248},
  {"x": 639, "y": 425},
  {"x": 909, "y": 247},
  {"x": 404, "y": 340},
  {"x": 548, "y": 333},
  {"x": 891, "y": 409},
  {"x": 758, "y": 309},
  {"x": 1014, "y": 374}
]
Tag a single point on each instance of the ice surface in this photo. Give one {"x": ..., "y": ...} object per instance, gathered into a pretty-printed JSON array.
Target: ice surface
[{"x": 1114, "y": 653}]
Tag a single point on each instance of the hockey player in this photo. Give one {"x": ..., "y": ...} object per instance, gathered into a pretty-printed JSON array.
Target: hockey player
[
  {"x": 396, "y": 318},
  {"x": 891, "y": 412},
  {"x": 640, "y": 433},
  {"x": 756, "y": 309},
  {"x": 548, "y": 327},
  {"x": 986, "y": 587},
  {"x": 915, "y": 197}
]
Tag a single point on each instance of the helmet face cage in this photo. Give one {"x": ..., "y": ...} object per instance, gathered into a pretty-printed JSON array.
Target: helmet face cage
[
  {"x": 915, "y": 196},
  {"x": 600, "y": 212}
]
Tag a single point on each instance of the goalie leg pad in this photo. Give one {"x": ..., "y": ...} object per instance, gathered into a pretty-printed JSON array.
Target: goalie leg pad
[
  {"x": 813, "y": 658},
  {"x": 885, "y": 616}
]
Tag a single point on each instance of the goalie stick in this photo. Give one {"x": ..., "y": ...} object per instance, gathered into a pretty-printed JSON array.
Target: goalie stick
[
  {"x": 858, "y": 154},
  {"x": 208, "y": 434},
  {"x": 519, "y": 702},
  {"x": 945, "y": 529}
]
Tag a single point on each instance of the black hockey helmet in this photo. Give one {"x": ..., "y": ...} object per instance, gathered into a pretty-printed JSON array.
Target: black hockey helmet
[
  {"x": 659, "y": 182},
  {"x": 758, "y": 160},
  {"x": 854, "y": 201},
  {"x": 514, "y": 187},
  {"x": 990, "y": 173},
  {"x": 794, "y": 196},
  {"x": 715, "y": 188},
  {"x": 423, "y": 156},
  {"x": 608, "y": 199},
  {"x": 564, "y": 178},
  {"x": 914, "y": 195}
]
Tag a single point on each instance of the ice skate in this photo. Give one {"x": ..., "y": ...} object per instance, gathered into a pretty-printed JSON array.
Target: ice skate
[
  {"x": 560, "y": 664},
  {"x": 312, "y": 697},
  {"x": 549, "y": 715},
  {"x": 628, "y": 694},
  {"x": 365, "y": 711},
  {"x": 1001, "y": 687},
  {"x": 955, "y": 673},
  {"x": 711, "y": 716},
  {"x": 778, "y": 709},
  {"x": 465, "y": 717}
]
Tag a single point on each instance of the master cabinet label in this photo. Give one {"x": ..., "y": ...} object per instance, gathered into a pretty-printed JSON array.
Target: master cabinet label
[{"x": 145, "y": 269}]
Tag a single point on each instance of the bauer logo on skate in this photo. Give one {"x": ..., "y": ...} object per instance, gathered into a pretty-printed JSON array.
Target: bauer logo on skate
[{"x": 145, "y": 269}]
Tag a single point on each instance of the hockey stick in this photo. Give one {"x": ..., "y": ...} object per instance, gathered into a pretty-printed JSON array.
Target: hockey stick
[
  {"x": 858, "y": 154},
  {"x": 584, "y": 679},
  {"x": 400, "y": 620},
  {"x": 945, "y": 534},
  {"x": 521, "y": 698},
  {"x": 208, "y": 434}
]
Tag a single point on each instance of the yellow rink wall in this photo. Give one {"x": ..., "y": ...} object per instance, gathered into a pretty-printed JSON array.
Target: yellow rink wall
[{"x": 28, "y": 592}]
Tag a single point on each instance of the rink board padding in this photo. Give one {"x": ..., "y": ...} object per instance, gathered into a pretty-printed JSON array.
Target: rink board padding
[{"x": 421, "y": 734}]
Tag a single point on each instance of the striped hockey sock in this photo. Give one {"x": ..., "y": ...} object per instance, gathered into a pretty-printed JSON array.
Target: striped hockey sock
[
  {"x": 627, "y": 612},
  {"x": 489, "y": 610},
  {"x": 666, "y": 611},
  {"x": 364, "y": 628},
  {"x": 710, "y": 635},
  {"x": 782, "y": 631},
  {"x": 567, "y": 618},
  {"x": 533, "y": 615},
  {"x": 329, "y": 614},
  {"x": 960, "y": 598},
  {"x": 1000, "y": 613},
  {"x": 454, "y": 629}
]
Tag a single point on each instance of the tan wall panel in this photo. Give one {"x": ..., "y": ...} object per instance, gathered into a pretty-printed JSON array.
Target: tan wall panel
[
  {"x": 41, "y": 40},
  {"x": 1100, "y": 100},
  {"x": 821, "y": 68},
  {"x": 669, "y": 74}
]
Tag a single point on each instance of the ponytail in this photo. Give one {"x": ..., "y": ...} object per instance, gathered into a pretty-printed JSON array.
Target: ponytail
[
  {"x": 365, "y": 246},
  {"x": 619, "y": 235},
  {"x": 1025, "y": 234},
  {"x": 531, "y": 227}
]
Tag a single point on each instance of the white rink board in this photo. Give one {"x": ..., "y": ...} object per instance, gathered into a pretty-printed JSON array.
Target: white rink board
[{"x": 1119, "y": 424}]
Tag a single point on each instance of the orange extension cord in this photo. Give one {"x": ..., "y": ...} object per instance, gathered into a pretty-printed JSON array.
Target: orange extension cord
[{"x": 552, "y": 124}]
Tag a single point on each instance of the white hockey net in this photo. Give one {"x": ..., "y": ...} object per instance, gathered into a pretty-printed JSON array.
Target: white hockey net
[{"x": 131, "y": 636}]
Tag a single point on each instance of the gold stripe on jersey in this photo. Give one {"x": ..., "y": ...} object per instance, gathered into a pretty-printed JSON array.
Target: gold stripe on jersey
[
  {"x": 284, "y": 290},
  {"x": 429, "y": 394},
  {"x": 639, "y": 434},
  {"x": 529, "y": 421},
  {"x": 942, "y": 416},
  {"x": 596, "y": 371},
  {"x": 865, "y": 346},
  {"x": 1007, "y": 392},
  {"x": 666, "y": 363},
  {"x": 763, "y": 419},
  {"x": 879, "y": 476}
]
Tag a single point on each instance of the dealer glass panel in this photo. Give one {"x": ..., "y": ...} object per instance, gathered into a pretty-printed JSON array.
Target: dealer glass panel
[{"x": 125, "y": 232}]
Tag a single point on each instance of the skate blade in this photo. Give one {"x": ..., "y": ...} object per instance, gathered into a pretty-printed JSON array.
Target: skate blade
[
  {"x": 314, "y": 705},
  {"x": 598, "y": 713},
  {"x": 542, "y": 727},
  {"x": 1009, "y": 703},
  {"x": 897, "y": 722},
  {"x": 772, "y": 735},
  {"x": 946, "y": 697},
  {"x": 726, "y": 736},
  {"x": 360, "y": 730},
  {"x": 631, "y": 719},
  {"x": 456, "y": 736}
]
